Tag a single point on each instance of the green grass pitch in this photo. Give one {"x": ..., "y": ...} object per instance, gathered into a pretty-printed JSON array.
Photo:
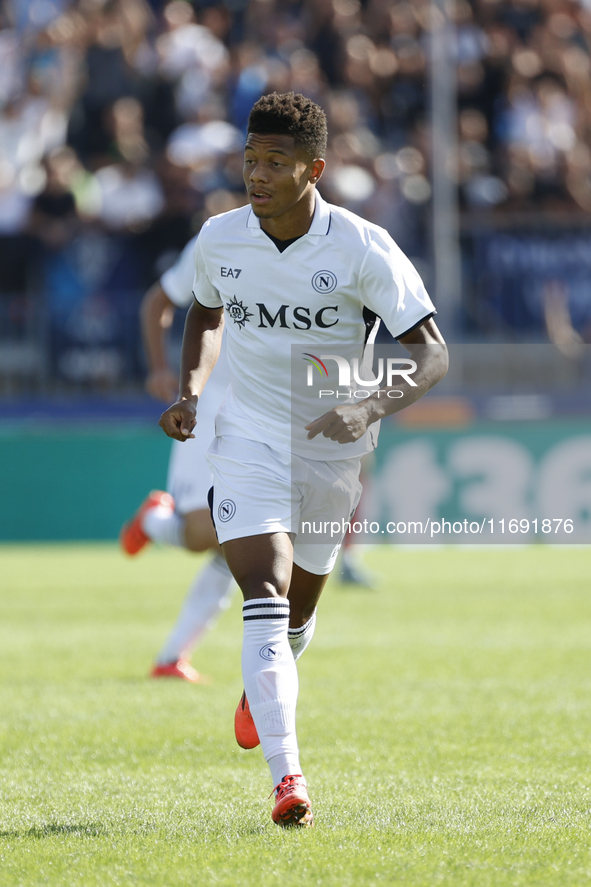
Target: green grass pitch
[{"x": 444, "y": 721}]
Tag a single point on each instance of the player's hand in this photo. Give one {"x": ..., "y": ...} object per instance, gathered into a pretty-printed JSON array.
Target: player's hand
[
  {"x": 343, "y": 424},
  {"x": 179, "y": 420},
  {"x": 162, "y": 384}
]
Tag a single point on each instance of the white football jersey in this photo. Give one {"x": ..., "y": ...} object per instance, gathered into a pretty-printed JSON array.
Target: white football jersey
[
  {"x": 318, "y": 295},
  {"x": 177, "y": 283},
  {"x": 174, "y": 280}
]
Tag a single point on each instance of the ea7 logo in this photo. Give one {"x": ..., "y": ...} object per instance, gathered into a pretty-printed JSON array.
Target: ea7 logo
[{"x": 231, "y": 272}]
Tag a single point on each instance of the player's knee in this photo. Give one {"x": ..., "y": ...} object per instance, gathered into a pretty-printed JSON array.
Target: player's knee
[{"x": 256, "y": 587}]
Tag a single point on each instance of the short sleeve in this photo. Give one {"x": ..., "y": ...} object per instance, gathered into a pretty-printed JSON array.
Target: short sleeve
[
  {"x": 203, "y": 289},
  {"x": 177, "y": 281},
  {"x": 391, "y": 287}
]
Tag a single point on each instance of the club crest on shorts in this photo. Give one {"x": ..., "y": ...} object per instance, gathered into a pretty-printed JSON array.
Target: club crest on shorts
[
  {"x": 270, "y": 652},
  {"x": 226, "y": 510},
  {"x": 238, "y": 312},
  {"x": 324, "y": 282}
]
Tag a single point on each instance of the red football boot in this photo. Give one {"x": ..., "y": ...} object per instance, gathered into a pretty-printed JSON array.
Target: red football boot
[
  {"x": 132, "y": 536},
  {"x": 292, "y": 803},
  {"x": 179, "y": 669},
  {"x": 244, "y": 728}
]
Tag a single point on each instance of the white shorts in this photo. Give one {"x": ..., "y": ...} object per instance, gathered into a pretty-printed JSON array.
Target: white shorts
[
  {"x": 260, "y": 490},
  {"x": 189, "y": 475}
]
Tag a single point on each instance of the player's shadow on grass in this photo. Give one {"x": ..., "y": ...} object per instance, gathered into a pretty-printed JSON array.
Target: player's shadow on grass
[{"x": 91, "y": 830}]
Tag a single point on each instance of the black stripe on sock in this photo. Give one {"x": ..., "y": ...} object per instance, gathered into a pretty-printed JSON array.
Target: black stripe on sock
[
  {"x": 265, "y": 616},
  {"x": 296, "y": 632},
  {"x": 270, "y": 602},
  {"x": 271, "y": 605}
]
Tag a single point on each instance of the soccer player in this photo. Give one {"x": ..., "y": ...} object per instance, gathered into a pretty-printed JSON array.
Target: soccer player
[
  {"x": 181, "y": 516},
  {"x": 290, "y": 270}
]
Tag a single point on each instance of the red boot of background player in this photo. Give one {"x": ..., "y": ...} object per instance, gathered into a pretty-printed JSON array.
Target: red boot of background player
[
  {"x": 179, "y": 669},
  {"x": 132, "y": 536}
]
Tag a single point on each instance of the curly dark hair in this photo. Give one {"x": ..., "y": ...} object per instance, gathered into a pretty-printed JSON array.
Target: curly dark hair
[{"x": 291, "y": 114}]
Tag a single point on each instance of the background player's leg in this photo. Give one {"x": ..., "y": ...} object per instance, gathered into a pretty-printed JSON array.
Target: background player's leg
[
  {"x": 200, "y": 532},
  {"x": 350, "y": 566},
  {"x": 262, "y": 566},
  {"x": 163, "y": 524},
  {"x": 209, "y": 593},
  {"x": 192, "y": 530},
  {"x": 155, "y": 521}
]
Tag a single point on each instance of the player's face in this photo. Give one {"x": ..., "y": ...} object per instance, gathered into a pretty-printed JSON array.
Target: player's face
[{"x": 277, "y": 176}]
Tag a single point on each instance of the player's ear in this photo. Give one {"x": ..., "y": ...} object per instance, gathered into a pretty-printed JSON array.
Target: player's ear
[{"x": 316, "y": 170}]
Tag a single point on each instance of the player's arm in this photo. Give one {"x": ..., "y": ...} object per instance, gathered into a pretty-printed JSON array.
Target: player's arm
[
  {"x": 202, "y": 340},
  {"x": 156, "y": 314},
  {"x": 349, "y": 422}
]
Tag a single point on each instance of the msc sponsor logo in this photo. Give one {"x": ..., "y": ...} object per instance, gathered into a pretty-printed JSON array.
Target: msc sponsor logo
[
  {"x": 270, "y": 652},
  {"x": 324, "y": 282},
  {"x": 226, "y": 510},
  {"x": 299, "y": 318},
  {"x": 238, "y": 312}
]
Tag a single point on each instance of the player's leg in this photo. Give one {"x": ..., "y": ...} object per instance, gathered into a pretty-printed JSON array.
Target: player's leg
[
  {"x": 199, "y": 531},
  {"x": 304, "y": 593},
  {"x": 179, "y": 517},
  {"x": 331, "y": 495},
  {"x": 155, "y": 521},
  {"x": 189, "y": 480},
  {"x": 262, "y": 565},
  {"x": 350, "y": 565},
  {"x": 208, "y": 595},
  {"x": 255, "y": 505},
  {"x": 352, "y": 569}
]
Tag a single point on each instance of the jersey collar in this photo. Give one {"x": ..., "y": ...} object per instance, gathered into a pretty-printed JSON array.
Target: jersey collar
[{"x": 320, "y": 222}]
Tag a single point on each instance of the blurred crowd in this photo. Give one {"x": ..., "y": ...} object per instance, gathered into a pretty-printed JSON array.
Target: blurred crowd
[
  {"x": 124, "y": 111},
  {"x": 125, "y": 118}
]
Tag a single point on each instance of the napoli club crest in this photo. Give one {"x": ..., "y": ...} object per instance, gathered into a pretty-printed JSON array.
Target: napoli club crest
[{"x": 226, "y": 510}]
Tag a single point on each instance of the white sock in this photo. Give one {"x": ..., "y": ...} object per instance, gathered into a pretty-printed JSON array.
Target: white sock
[
  {"x": 299, "y": 638},
  {"x": 162, "y": 524},
  {"x": 271, "y": 682},
  {"x": 209, "y": 594}
]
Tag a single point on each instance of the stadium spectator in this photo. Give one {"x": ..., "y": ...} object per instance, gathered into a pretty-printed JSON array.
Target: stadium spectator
[{"x": 54, "y": 217}]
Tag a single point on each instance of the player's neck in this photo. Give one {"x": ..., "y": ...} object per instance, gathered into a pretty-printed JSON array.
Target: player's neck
[{"x": 294, "y": 222}]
